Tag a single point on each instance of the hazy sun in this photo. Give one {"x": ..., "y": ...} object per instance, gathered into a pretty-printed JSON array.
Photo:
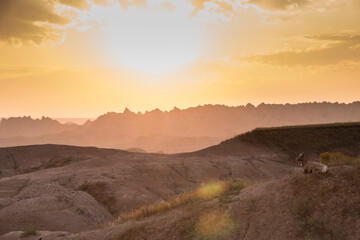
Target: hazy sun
[{"x": 152, "y": 41}]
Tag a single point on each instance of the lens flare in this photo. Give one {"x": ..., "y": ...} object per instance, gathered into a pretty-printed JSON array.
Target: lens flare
[
  {"x": 215, "y": 225},
  {"x": 211, "y": 190}
]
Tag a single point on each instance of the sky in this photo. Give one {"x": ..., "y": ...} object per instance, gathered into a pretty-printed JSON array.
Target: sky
[{"x": 83, "y": 58}]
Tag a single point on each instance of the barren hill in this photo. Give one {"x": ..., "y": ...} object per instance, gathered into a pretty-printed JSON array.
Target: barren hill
[
  {"x": 313, "y": 139},
  {"x": 295, "y": 207},
  {"x": 43, "y": 186}
]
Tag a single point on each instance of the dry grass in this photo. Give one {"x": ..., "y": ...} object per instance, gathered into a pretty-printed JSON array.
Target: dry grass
[
  {"x": 337, "y": 159},
  {"x": 98, "y": 191},
  {"x": 206, "y": 192}
]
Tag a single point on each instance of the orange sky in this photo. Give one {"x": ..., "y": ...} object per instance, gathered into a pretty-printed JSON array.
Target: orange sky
[{"x": 78, "y": 58}]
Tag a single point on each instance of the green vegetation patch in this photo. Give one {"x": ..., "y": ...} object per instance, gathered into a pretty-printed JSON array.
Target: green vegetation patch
[{"x": 98, "y": 191}]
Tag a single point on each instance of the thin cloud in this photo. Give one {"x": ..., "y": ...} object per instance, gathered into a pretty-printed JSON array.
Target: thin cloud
[
  {"x": 168, "y": 6},
  {"x": 272, "y": 5},
  {"x": 280, "y": 4},
  {"x": 79, "y": 4},
  {"x": 126, "y": 3},
  {"x": 338, "y": 48},
  {"x": 225, "y": 7}
]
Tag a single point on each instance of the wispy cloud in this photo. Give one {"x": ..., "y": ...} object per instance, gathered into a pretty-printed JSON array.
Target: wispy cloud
[
  {"x": 280, "y": 4},
  {"x": 39, "y": 21},
  {"x": 334, "y": 49}
]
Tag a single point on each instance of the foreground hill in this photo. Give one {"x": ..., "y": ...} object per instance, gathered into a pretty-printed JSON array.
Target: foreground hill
[
  {"x": 72, "y": 189},
  {"x": 172, "y": 131},
  {"x": 300, "y": 206},
  {"x": 93, "y": 186}
]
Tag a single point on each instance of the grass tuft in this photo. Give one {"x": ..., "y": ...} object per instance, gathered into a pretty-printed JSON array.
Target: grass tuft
[{"x": 337, "y": 159}]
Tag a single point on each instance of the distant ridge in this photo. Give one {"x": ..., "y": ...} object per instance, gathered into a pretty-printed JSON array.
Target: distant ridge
[{"x": 172, "y": 131}]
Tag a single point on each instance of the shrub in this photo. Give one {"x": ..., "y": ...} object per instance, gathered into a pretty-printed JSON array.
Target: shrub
[
  {"x": 98, "y": 191},
  {"x": 28, "y": 233},
  {"x": 336, "y": 159},
  {"x": 325, "y": 158}
]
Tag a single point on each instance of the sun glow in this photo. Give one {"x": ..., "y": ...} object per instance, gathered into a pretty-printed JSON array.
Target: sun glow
[
  {"x": 86, "y": 57},
  {"x": 150, "y": 41}
]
